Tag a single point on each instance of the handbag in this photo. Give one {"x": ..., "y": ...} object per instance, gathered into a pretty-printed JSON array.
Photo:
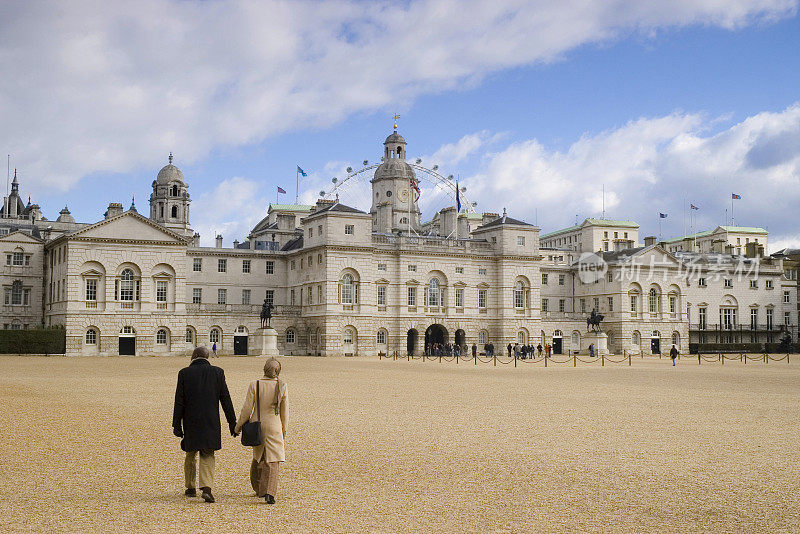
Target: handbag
[{"x": 251, "y": 431}]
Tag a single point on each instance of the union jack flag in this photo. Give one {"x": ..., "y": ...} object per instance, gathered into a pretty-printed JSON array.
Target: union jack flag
[{"x": 415, "y": 186}]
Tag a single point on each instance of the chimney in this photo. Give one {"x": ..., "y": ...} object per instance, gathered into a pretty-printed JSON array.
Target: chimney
[
  {"x": 196, "y": 240},
  {"x": 489, "y": 217},
  {"x": 235, "y": 243},
  {"x": 219, "y": 241},
  {"x": 650, "y": 240},
  {"x": 114, "y": 209}
]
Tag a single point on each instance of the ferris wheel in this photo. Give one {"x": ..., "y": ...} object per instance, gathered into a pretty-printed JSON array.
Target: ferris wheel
[{"x": 437, "y": 191}]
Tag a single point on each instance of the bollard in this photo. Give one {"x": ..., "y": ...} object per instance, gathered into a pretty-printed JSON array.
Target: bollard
[
  {"x": 545, "y": 359},
  {"x": 409, "y": 356},
  {"x": 698, "y": 358},
  {"x": 629, "y": 360},
  {"x": 574, "y": 360},
  {"x": 457, "y": 359},
  {"x": 766, "y": 358},
  {"x": 495, "y": 359},
  {"x": 722, "y": 359},
  {"x": 602, "y": 360},
  {"x": 475, "y": 357}
]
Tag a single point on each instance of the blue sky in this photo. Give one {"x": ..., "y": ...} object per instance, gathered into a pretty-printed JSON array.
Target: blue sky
[{"x": 534, "y": 107}]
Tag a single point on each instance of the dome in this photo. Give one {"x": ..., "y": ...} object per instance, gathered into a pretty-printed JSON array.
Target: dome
[
  {"x": 168, "y": 174},
  {"x": 394, "y": 139},
  {"x": 394, "y": 168}
]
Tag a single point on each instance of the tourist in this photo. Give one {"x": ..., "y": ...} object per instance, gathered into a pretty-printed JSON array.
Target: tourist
[
  {"x": 673, "y": 353},
  {"x": 195, "y": 418},
  {"x": 214, "y": 349},
  {"x": 272, "y": 412},
  {"x": 509, "y": 350},
  {"x": 475, "y": 350},
  {"x": 539, "y": 348},
  {"x": 591, "y": 350}
]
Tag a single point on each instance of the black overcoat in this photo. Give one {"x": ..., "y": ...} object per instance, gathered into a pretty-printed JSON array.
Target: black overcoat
[{"x": 201, "y": 389}]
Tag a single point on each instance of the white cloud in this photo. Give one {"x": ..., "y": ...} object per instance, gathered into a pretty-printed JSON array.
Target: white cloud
[
  {"x": 231, "y": 210},
  {"x": 113, "y": 86},
  {"x": 648, "y": 166}
]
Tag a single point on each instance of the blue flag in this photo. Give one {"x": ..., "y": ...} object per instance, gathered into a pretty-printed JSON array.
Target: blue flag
[
  {"x": 662, "y": 215},
  {"x": 458, "y": 199},
  {"x": 301, "y": 171}
]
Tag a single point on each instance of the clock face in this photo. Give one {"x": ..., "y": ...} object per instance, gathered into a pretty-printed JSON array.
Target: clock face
[
  {"x": 388, "y": 193},
  {"x": 404, "y": 194}
]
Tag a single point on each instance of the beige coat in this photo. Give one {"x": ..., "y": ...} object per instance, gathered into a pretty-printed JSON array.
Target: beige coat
[{"x": 273, "y": 427}]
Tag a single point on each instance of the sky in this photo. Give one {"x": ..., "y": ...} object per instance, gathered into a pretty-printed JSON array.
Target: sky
[{"x": 551, "y": 110}]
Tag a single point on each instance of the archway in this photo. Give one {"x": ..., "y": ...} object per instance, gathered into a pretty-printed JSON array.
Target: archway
[
  {"x": 461, "y": 338},
  {"x": 436, "y": 334},
  {"x": 411, "y": 341}
]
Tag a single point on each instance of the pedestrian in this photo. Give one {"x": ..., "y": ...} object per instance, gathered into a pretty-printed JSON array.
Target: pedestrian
[
  {"x": 539, "y": 348},
  {"x": 195, "y": 418},
  {"x": 475, "y": 350},
  {"x": 509, "y": 350},
  {"x": 591, "y": 350},
  {"x": 214, "y": 349},
  {"x": 673, "y": 353},
  {"x": 272, "y": 412}
]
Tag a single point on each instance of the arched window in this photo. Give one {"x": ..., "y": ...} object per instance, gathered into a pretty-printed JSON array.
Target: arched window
[
  {"x": 519, "y": 295},
  {"x": 290, "y": 336},
  {"x": 653, "y": 300},
  {"x": 213, "y": 335},
  {"x": 189, "y": 335},
  {"x": 348, "y": 336},
  {"x": 482, "y": 337},
  {"x": 348, "y": 289},
  {"x": 174, "y": 190},
  {"x": 161, "y": 337},
  {"x": 636, "y": 339},
  {"x": 91, "y": 337},
  {"x": 127, "y": 285},
  {"x": 434, "y": 294},
  {"x": 576, "y": 339},
  {"x": 522, "y": 337},
  {"x": 381, "y": 337},
  {"x": 16, "y": 292},
  {"x": 174, "y": 212},
  {"x": 676, "y": 339}
]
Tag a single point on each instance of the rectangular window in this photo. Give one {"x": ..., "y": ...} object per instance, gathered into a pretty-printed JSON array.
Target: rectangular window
[
  {"x": 561, "y": 279},
  {"x": 310, "y": 295},
  {"x": 562, "y": 305},
  {"x": 270, "y": 267},
  {"x": 245, "y": 296},
  {"x": 291, "y": 297},
  {"x": 381, "y": 266},
  {"x": 609, "y": 276},
  {"x": 459, "y": 297},
  {"x": 319, "y": 294},
  {"x": 9, "y": 256},
  {"x": 520, "y": 240},
  {"x": 291, "y": 265},
  {"x": 482, "y": 298},
  {"x": 270, "y": 297},
  {"x": 769, "y": 318},
  {"x": 482, "y": 271},
  {"x": 27, "y": 260},
  {"x": 545, "y": 305},
  {"x": 222, "y": 296},
  {"x": 161, "y": 291},
  {"x": 787, "y": 318},
  {"x": 381, "y": 295},
  {"x": 768, "y": 284},
  {"x": 319, "y": 230},
  {"x": 728, "y": 282},
  {"x": 18, "y": 259},
  {"x": 753, "y": 284},
  {"x": 753, "y": 318},
  {"x": 412, "y": 268},
  {"x": 412, "y": 296},
  {"x": 246, "y": 266},
  {"x": 596, "y": 304},
  {"x": 310, "y": 232},
  {"x": 544, "y": 279},
  {"x": 459, "y": 270},
  {"x": 583, "y": 305},
  {"x": 197, "y": 295},
  {"x": 634, "y": 301},
  {"x": 310, "y": 261},
  {"x": 349, "y": 229},
  {"x": 26, "y": 299},
  {"x": 197, "y": 264},
  {"x": 673, "y": 304},
  {"x": 701, "y": 312},
  {"x": 91, "y": 289},
  {"x": 222, "y": 265},
  {"x": 319, "y": 259},
  {"x": 701, "y": 282},
  {"x": 611, "y": 304},
  {"x": 786, "y": 297}
]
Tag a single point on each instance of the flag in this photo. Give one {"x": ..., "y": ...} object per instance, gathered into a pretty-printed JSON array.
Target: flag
[
  {"x": 458, "y": 199},
  {"x": 693, "y": 207},
  {"x": 734, "y": 196},
  {"x": 301, "y": 171},
  {"x": 662, "y": 215},
  {"x": 415, "y": 187},
  {"x": 281, "y": 190}
]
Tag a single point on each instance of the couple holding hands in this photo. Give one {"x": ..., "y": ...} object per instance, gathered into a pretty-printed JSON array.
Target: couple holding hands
[{"x": 201, "y": 389}]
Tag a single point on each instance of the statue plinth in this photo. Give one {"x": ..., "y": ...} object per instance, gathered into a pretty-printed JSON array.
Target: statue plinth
[
  {"x": 600, "y": 341},
  {"x": 267, "y": 341}
]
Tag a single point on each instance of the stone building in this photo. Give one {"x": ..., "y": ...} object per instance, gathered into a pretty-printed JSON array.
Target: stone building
[{"x": 349, "y": 282}]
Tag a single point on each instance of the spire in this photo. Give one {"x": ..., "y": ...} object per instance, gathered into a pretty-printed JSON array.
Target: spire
[
  {"x": 396, "y": 116},
  {"x": 15, "y": 183},
  {"x": 133, "y": 204},
  {"x": 170, "y": 158}
]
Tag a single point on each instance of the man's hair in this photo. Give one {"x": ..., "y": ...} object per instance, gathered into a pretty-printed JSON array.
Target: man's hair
[
  {"x": 200, "y": 352},
  {"x": 272, "y": 368}
]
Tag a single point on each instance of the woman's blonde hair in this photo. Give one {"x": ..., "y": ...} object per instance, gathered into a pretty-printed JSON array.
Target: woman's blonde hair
[{"x": 272, "y": 368}]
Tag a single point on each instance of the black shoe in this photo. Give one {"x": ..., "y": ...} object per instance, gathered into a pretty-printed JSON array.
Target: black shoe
[
  {"x": 270, "y": 499},
  {"x": 207, "y": 496},
  {"x": 190, "y": 492}
]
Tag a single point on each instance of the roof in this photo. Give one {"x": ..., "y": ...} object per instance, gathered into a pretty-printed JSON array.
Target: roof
[
  {"x": 505, "y": 220},
  {"x": 169, "y": 173},
  {"x": 338, "y": 207},
  {"x": 394, "y": 138},
  {"x": 732, "y": 229},
  {"x": 593, "y": 222},
  {"x": 294, "y": 244},
  {"x": 472, "y": 216},
  {"x": 290, "y": 207}
]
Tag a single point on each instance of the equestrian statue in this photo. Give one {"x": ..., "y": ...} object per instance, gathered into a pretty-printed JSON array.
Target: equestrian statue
[
  {"x": 266, "y": 314},
  {"x": 594, "y": 320}
]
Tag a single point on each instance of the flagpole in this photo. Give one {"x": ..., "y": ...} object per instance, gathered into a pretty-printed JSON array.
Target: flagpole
[
  {"x": 733, "y": 217},
  {"x": 296, "y": 184}
]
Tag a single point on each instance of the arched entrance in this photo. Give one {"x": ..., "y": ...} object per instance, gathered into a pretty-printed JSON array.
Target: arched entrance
[
  {"x": 127, "y": 341},
  {"x": 436, "y": 334},
  {"x": 411, "y": 341},
  {"x": 461, "y": 338}
]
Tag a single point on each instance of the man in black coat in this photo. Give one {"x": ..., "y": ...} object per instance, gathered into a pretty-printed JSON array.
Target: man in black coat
[{"x": 195, "y": 418}]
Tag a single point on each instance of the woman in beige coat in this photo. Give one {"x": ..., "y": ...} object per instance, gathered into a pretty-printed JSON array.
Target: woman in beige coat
[{"x": 268, "y": 456}]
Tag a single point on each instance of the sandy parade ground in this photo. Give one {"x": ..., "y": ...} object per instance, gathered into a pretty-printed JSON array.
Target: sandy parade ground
[{"x": 397, "y": 446}]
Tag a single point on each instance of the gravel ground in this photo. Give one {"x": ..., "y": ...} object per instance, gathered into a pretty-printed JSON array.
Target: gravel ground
[{"x": 395, "y": 446}]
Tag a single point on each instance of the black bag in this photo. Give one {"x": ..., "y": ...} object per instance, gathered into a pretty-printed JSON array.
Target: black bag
[{"x": 251, "y": 432}]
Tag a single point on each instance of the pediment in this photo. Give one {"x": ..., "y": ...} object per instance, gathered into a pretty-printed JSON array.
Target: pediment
[
  {"x": 483, "y": 285},
  {"x": 20, "y": 237},
  {"x": 459, "y": 284},
  {"x": 91, "y": 273},
  {"x": 412, "y": 282},
  {"x": 655, "y": 255},
  {"x": 381, "y": 281},
  {"x": 162, "y": 274},
  {"x": 128, "y": 226}
]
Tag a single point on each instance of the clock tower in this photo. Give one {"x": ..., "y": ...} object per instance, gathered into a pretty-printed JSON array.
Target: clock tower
[{"x": 394, "y": 195}]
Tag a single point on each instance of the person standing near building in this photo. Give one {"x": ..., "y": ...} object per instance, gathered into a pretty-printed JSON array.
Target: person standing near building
[
  {"x": 509, "y": 350},
  {"x": 475, "y": 350},
  {"x": 539, "y": 348},
  {"x": 591, "y": 350},
  {"x": 673, "y": 353},
  {"x": 195, "y": 418},
  {"x": 214, "y": 349}
]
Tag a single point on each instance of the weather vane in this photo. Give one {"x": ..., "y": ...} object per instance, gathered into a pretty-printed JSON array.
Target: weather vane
[{"x": 396, "y": 116}]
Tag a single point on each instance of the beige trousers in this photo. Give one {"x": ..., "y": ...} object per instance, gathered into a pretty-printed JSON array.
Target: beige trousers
[
  {"x": 264, "y": 477},
  {"x": 206, "y": 468}
]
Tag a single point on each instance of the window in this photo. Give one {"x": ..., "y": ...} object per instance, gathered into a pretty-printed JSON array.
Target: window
[
  {"x": 459, "y": 297},
  {"x": 787, "y": 318},
  {"x": 213, "y": 336},
  {"x": 753, "y": 318},
  {"x": 728, "y": 282},
  {"x": 561, "y": 279},
  {"x": 701, "y": 282},
  {"x": 319, "y": 230},
  {"x": 673, "y": 304},
  {"x": 290, "y": 336},
  {"x": 459, "y": 270},
  {"x": 197, "y": 295},
  {"x": 482, "y": 298},
  {"x": 381, "y": 266},
  {"x": 434, "y": 293},
  {"x": 246, "y": 266},
  {"x": 319, "y": 294},
  {"x": 412, "y": 296},
  {"x": 381, "y": 295},
  {"x": 562, "y": 305},
  {"x": 786, "y": 297},
  {"x": 583, "y": 305},
  {"x": 246, "y": 296},
  {"x": 653, "y": 300},
  {"x": 769, "y": 318},
  {"x": 319, "y": 259},
  {"x": 768, "y": 284},
  {"x": 545, "y": 305},
  {"x": 347, "y": 289},
  {"x": 544, "y": 279},
  {"x": 127, "y": 285},
  {"x": 521, "y": 240},
  {"x": 310, "y": 232},
  {"x": 174, "y": 212},
  {"x": 348, "y": 336},
  {"x": 596, "y": 304},
  {"x": 381, "y": 337},
  {"x": 310, "y": 295},
  {"x": 519, "y": 295},
  {"x": 270, "y": 267},
  {"x": 701, "y": 312},
  {"x": 291, "y": 297},
  {"x": 611, "y": 304},
  {"x": 605, "y": 235},
  {"x": 301, "y": 262},
  {"x": 91, "y": 337},
  {"x": 270, "y": 297},
  {"x": 197, "y": 264},
  {"x": 222, "y": 296},
  {"x": 291, "y": 265},
  {"x": 753, "y": 284},
  {"x": 222, "y": 265},
  {"x": 609, "y": 276},
  {"x": 605, "y": 246},
  {"x": 161, "y": 337},
  {"x": 18, "y": 259},
  {"x": 189, "y": 336},
  {"x": 91, "y": 289},
  {"x": 412, "y": 268},
  {"x": 349, "y": 229},
  {"x": 522, "y": 337},
  {"x": 482, "y": 337},
  {"x": 676, "y": 339},
  {"x": 482, "y": 271}
]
